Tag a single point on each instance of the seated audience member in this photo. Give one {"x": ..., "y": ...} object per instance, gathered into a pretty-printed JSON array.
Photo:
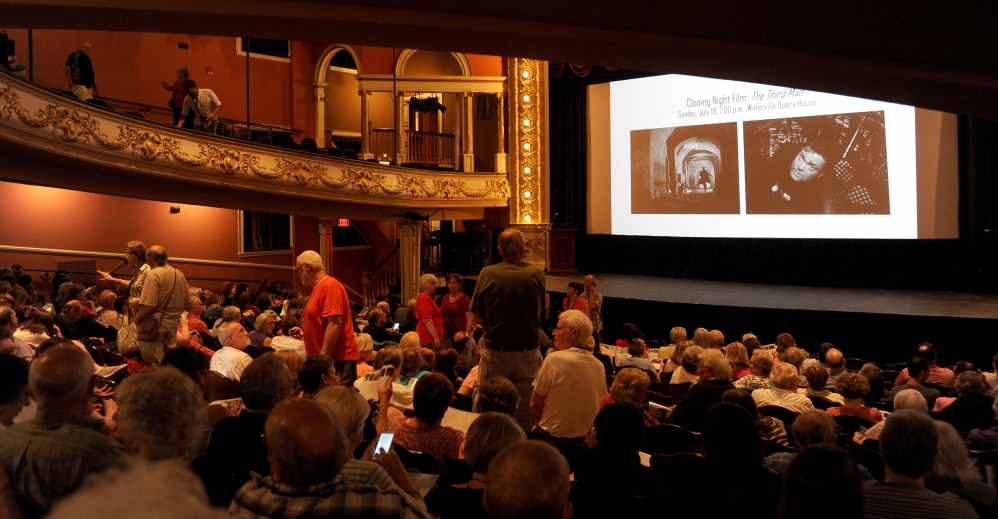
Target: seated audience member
[
  {"x": 528, "y": 480},
  {"x": 955, "y": 472},
  {"x": 235, "y": 448},
  {"x": 143, "y": 491},
  {"x": 770, "y": 427},
  {"x": 701, "y": 337},
  {"x": 613, "y": 449},
  {"x": 936, "y": 375},
  {"x": 263, "y": 330},
  {"x": 66, "y": 320},
  {"x": 294, "y": 362},
  {"x": 991, "y": 377},
  {"x": 904, "y": 399},
  {"x": 446, "y": 365},
  {"x": 401, "y": 395},
  {"x": 13, "y": 389},
  {"x": 231, "y": 359},
  {"x": 687, "y": 372},
  {"x": 785, "y": 341},
  {"x": 570, "y": 383},
  {"x": 630, "y": 385},
  {"x": 676, "y": 335},
  {"x": 816, "y": 376},
  {"x": 919, "y": 369},
  {"x": 972, "y": 408},
  {"x": 814, "y": 474},
  {"x": 386, "y": 470},
  {"x": 759, "y": 368},
  {"x": 639, "y": 358},
  {"x": 318, "y": 373},
  {"x": 213, "y": 309},
  {"x": 852, "y": 387},
  {"x": 107, "y": 315},
  {"x": 876, "y": 379},
  {"x": 229, "y": 314},
  {"x": 738, "y": 356},
  {"x": 365, "y": 347},
  {"x": 161, "y": 413},
  {"x": 716, "y": 339},
  {"x": 305, "y": 480},
  {"x": 423, "y": 432},
  {"x": 625, "y": 330},
  {"x": 751, "y": 343},
  {"x": 731, "y": 444},
  {"x": 675, "y": 361},
  {"x": 796, "y": 357},
  {"x": 784, "y": 392},
  {"x": 412, "y": 365},
  {"x": 499, "y": 395},
  {"x": 714, "y": 378},
  {"x": 53, "y": 452},
  {"x": 836, "y": 363},
  {"x": 36, "y": 329},
  {"x": 909, "y": 448},
  {"x": 195, "y": 309},
  {"x": 489, "y": 434},
  {"x": 812, "y": 427},
  {"x": 376, "y": 321},
  {"x": 985, "y": 439},
  {"x": 288, "y": 340}
]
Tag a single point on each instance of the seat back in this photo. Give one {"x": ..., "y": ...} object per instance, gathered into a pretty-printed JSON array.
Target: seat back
[
  {"x": 670, "y": 439},
  {"x": 417, "y": 461},
  {"x": 217, "y": 387},
  {"x": 855, "y": 364},
  {"x": 850, "y": 424},
  {"x": 676, "y": 391},
  {"x": 782, "y": 413},
  {"x": 822, "y": 403}
]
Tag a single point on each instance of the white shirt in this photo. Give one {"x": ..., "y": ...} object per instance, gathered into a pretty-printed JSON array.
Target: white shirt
[
  {"x": 573, "y": 383},
  {"x": 283, "y": 342},
  {"x": 206, "y": 103},
  {"x": 230, "y": 362},
  {"x": 784, "y": 398}
]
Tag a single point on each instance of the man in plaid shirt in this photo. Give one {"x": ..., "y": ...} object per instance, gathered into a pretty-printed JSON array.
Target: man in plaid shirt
[{"x": 306, "y": 448}]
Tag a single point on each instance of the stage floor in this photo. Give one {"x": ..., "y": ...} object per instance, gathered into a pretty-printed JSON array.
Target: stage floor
[{"x": 775, "y": 297}]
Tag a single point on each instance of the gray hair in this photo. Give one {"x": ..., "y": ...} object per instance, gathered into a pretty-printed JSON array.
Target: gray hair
[
  {"x": 162, "y": 410},
  {"x": 347, "y": 404},
  {"x": 425, "y": 279},
  {"x": 578, "y": 321},
  {"x": 909, "y": 444},
  {"x": 953, "y": 462},
  {"x": 311, "y": 258},
  {"x": 783, "y": 375},
  {"x": 716, "y": 362},
  {"x": 364, "y": 342},
  {"x": 262, "y": 380},
  {"x": 691, "y": 358},
  {"x": 489, "y": 434},
  {"x": 910, "y": 399}
]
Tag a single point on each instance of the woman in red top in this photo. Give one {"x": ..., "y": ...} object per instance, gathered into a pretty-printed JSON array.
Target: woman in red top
[
  {"x": 573, "y": 301},
  {"x": 178, "y": 92},
  {"x": 456, "y": 308},
  {"x": 430, "y": 322}
]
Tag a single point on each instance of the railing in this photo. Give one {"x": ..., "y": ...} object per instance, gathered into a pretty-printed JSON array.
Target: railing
[
  {"x": 385, "y": 274},
  {"x": 343, "y": 142},
  {"x": 430, "y": 148},
  {"x": 383, "y": 144}
]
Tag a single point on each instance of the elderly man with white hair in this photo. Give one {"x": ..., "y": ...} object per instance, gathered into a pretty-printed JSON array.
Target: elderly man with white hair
[
  {"x": 328, "y": 318},
  {"x": 784, "y": 393},
  {"x": 714, "y": 378},
  {"x": 570, "y": 384},
  {"x": 231, "y": 360}
]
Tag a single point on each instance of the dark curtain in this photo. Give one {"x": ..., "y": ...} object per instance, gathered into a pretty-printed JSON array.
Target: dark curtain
[{"x": 966, "y": 264}]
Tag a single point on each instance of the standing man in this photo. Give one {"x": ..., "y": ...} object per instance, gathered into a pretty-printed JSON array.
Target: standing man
[
  {"x": 163, "y": 299},
  {"x": 328, "y": 320},
  {"x": 595, "y": 301},
  {"x": 80, "y": 73},
  {"x": 200, "y": 107},
  {"x": 509, "y": 300}
]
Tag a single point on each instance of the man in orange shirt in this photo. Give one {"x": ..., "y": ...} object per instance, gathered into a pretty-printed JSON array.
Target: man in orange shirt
[{"x": 328, "y": 320}]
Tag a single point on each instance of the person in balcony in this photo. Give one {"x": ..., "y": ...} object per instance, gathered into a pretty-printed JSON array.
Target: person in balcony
[{"x": 200, "y": 108}]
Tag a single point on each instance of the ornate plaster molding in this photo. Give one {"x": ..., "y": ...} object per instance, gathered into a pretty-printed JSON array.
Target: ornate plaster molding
[
  {"x": 33, "y": 115},
  {"x": 527, "y": 120}
]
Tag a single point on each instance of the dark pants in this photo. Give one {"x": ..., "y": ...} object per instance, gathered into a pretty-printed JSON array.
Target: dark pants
[
  {"x": 176, "y": 115},
  {"x": 347, "y": 371}
]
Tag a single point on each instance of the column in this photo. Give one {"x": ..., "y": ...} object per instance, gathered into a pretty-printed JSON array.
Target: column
[
  {"x": 468, "y": 157},
  {"x": 410, "y": 241},
  {"x": 528, "y": 155},
  {"x": 400, "y": 141},
  {"x": 320, "y": 114},
  {"x": 365, "y": 125},
  {"x": 501, "y": 134},
  {"x": 326, "y": 244}
]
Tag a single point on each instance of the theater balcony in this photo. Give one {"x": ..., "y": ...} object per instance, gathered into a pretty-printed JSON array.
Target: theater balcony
[{"x": 49, "y": 139}]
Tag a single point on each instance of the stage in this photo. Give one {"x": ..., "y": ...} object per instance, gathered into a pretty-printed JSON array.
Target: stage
[{"x": 872, "y": 324}]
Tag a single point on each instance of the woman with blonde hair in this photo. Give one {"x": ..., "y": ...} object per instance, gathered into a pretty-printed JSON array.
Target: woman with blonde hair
[
  {"x": 365, "y": 346},
  {"x": 738, "y": 355},
  {"x": 630, "y": 385},
  {"x": 676, "y": 360},
  {"x": 701, "y": 338}
]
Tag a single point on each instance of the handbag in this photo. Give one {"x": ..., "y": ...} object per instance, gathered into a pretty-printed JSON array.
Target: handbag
[{"x": 128, "y": 340}]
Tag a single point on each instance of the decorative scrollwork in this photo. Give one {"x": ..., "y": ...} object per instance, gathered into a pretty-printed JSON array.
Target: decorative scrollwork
[{"x": 74, "y": 126}]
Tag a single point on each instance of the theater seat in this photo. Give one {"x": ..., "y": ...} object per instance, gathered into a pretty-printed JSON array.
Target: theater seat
[{"x": 670, "y": 439}]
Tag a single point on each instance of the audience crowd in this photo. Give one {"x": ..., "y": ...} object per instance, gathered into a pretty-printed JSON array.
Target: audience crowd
[{"x": 150, "y": 396}]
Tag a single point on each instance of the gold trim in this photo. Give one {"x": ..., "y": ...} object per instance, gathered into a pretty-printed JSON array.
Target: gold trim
[
  {"x": 82, "y": 126},
  {"x": 117, "y": 255},
  {"x": 526, "y": 153}
]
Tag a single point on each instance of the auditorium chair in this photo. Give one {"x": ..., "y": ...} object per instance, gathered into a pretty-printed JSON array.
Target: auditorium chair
[
  {"x": 681, "y": 474},
  {"x": 218, "y": 387},
  {"x": 772, "y": 447},
  {"x": 669, "y": 439},
  {"x": 849, "y": 424},
  {"x": 417, "y": 461},
  {"x": 822, "y": 403},
  {"x": 890, "y": 376},
  {"x": 676, "y": 391},
  {"x": 781, "y": 413},
  {"x": 897, "y": 366},
  {"x": 661, "y": 399},
  {"x": 855, "y": 364}
]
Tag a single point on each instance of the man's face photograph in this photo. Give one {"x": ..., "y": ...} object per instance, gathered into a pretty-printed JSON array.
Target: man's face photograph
[{"x": 807, "y": 165}]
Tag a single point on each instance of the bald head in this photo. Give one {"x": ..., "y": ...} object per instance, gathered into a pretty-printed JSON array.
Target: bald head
[
  {"x": 812, "y": 427},
  {"x": 511, "y": 245},
  {"x": 835, "y": 359},
  {"x": 305, "y": 444},
  {"x": 156, "y": 256},
  {"x": 528, "y": 479},
  {"x": 716, "y": 338},
  {"x": 72, "y": 310},
  {"x": 61, "y": 379}
]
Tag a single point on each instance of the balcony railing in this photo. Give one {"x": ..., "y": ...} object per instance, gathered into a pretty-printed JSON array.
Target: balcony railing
[{"x": 424, "y": 148}]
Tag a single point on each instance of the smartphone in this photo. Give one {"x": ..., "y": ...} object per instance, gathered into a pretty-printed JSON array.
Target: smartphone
[
  {"x": 396, "y": 327},
  {"x": 384, "y": 442}
]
